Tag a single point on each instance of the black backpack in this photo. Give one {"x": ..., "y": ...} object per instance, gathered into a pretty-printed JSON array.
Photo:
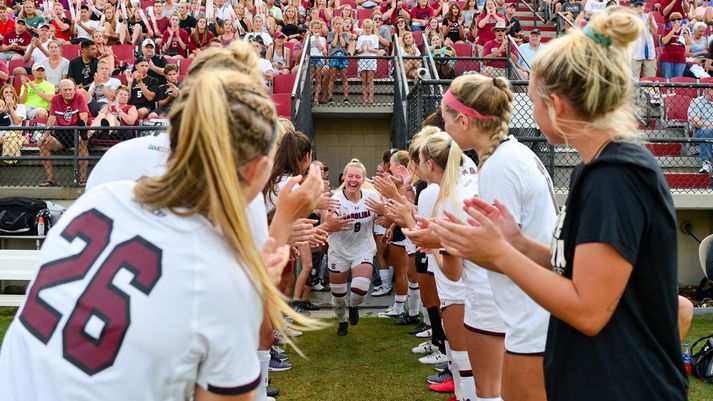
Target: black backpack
[
  {"x": 19, "y": 215},
  {"x": 702, "y": 361}
]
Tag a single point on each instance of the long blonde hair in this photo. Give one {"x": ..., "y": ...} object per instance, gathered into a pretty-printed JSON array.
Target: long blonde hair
[
  {"x": 590, "y": 68},
  {"x": 490, "y": 97},
  {"x": 445, "y": 153},
  {"x": 220, "y": 121}
]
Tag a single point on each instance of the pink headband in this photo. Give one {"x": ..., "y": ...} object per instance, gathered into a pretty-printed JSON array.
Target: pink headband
[{"x": 452, "y": 102}]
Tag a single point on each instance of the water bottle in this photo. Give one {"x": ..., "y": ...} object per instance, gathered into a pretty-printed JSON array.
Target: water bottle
[
  {"x": 687, "y": 359},
  {"x": 41, "y": 226}
]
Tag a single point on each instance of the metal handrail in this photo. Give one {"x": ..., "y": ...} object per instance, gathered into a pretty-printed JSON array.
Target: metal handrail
[
  {"x": 429, "y": 59},
  {"x": 532, "y": 10},
  {"x": 517, "y": 50},
  {"x": 399, "y": 63},
  {"x": 561, "y": 17},
  {"x": 305, "y": 50}
]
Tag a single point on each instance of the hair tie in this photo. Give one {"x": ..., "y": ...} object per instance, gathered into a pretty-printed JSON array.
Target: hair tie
[
  {"x": 597, "y": 37},
  {"x": 495, "y": 81},
  {"x": 452, "y": 102}
]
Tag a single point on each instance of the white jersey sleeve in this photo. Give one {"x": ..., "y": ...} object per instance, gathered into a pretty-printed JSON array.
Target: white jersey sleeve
[{"x": 427, "y": 200}]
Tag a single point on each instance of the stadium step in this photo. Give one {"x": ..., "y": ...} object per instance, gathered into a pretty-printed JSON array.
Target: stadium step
[
  {"x": 665, "y": 149},
  {"x": 687, "y": 180}
]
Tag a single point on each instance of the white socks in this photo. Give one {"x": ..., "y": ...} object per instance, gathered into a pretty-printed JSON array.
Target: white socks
[
  {"x": 261, "y": 390},
  {"x": 399, "y": 303},
  {"x": 414, "y": 299},
  {"x": 339, "y": 300},
  {"x": 360, "y": 287},
  {"x": 385, "y": 276},
  {"x": 465, "y": 385}
]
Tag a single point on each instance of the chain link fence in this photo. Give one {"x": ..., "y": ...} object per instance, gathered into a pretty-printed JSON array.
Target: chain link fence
[{"x": 29, "y": 159}]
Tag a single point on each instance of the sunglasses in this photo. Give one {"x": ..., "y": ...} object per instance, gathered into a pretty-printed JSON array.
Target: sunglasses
[
  {"x": 500, "y": 30},
  {"x": 675, "y": 19}
]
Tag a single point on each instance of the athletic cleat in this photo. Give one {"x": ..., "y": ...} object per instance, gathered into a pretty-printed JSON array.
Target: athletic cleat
[
  {"x": 425, "y": 347},
  {"x": 381, "y": 291},
  {"x": 440, "y": 367},
  {"x": 278, "y": 338},
  {"x": 277, "y": 365},
  {"x": 353, "y": 315},
  {"x": 421, "y": 327},
  {"x": 290, "y": 332},
  {"x": 318, "y": 286},
  {"x": 425, "y": 334},
  {"x": 272, "y": 391},
  {"x": 434, "y": 358},
  {"x": 278, "y": 355},
  {"x": 439, "y": 377},
  {"x": 447, "y": 386},
  {"x": 405, "y": 320},
  {"x": 308, "y": 305},
  {"x": 342, "y": 329},
  {"x": 390, "y": 313},
  {"x": 299, "y": 307},
  {"x": 278, "y": 349}
]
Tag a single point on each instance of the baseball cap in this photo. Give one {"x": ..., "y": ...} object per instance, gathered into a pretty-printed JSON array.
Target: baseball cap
[
  {"x": 148, "y": 42},
  {"x": 45, "y": 25},
  {"x": 279, "y": 35},
  {"x": 638, "y": 2},
  {"x": 37, "y": 66},
  {"x": 20, "y": 21},
  {"x": 535, "y": 32}
]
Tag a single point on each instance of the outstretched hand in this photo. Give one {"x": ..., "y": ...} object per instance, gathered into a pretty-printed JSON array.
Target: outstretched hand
[
  {"x": 498, "y": 213},
  {"x": 275, "y": 258}
]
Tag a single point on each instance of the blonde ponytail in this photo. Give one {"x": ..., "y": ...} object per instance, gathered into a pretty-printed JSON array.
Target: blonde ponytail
[{"x": 445, "y": 153}]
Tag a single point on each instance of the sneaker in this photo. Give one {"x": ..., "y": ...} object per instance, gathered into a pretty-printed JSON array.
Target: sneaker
[
  {"x": 277, "y": 365},
  {"x": 434, "y": 358},
  {"x": 299, "y": 307},
  {"x": 425, "y": 347},
  {"x": 272, "y": 391},
  {"x": 440, "y": 367},
  {"x": 308, "y": 305},
  {"x": 706, "y": 167},
  {"x": 292, "y": 332},
  {"x": 278, "y": 349},
  {"x": 347, "y": 102},
  {"x": 425, "y": 334},
  {"x": 389, "y": 312},
  {"x": 405, "y": 320},
  {"x": 278, "y": 355},
  {"x": 439, "y": 377},
  {"x": 421, "y": 327},
  {"x": 381, "y": 291},
  {"x": 353, "y": 315},
  {"x": 330, "y": 102},
  {"x": 447, "y": 386},
  {"x": 342, "y": 329},
  {"x": 278, "y": 338},
  {"x": 317, "y": 286}
]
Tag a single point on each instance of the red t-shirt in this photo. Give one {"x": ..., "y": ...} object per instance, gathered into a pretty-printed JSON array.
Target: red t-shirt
[
  {"x": 386, "y": 6},
  {"x": 22, "y": 40},
  {"x": 492, "y": 46},
  {"x": 485, "y": 34},
  {"x": 174, "y": 48},
  {"x": 64, "y": 35},
  {"x": 125, "y": 110},
  {"x": 162, "y": 24},
  {"x": 68, "y": 114},
  {"x": 674, "y": 51},
  {"x": 421, "y": 13},
  {"x": 677, "y": 8},
  {"x": 201, "y": 42},
  {"x": 6, "y": 27}
]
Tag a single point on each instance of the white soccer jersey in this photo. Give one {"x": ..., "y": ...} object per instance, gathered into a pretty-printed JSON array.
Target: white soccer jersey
[
  {"x": 515, "y": 176},
  {"x": 358, "y": 239},
  {"x": 132, "y": 304},
  {"x": 147, "y": 157}
]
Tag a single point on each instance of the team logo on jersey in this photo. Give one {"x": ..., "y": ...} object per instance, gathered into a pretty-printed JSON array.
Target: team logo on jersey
[{"x": 67, "y": 115}]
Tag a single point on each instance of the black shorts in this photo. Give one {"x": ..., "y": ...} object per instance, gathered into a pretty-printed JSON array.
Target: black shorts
[
  {"x": 65, "y": 137},
  {"x": 421, "y": 263}
]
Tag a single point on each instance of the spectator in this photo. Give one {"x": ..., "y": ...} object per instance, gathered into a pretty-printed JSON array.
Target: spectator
[
  {"x": 264, "y": 65},
  {"x": 31, "y": 16},
  {"x": 273, "y": 11},
  {"x": 673, "y": 55},
  {"x": 84, "y": 27},
  {"x": 156, "y": 62},
  {"x": 367, "y": 46},
  {"x": 82, "y": 68},
  {"x": 704, "y": 13},
  {"x": 498, "y": 48},
  {"x": 66, "y": 109},
  {"x": 298, "y": 48},
  {"x": 136, "y": 29},
  {"x": 159, "y": 21},
  {"x": 170, "y": 7},
  {"x": 643, "y": 51},
  {"x": 346, "y": 12},
  {"x": 393, "y": 9},
  {"x": 187, "y": 21},
  {"x": 14, "y": 44},
  {"x": 575, "y": 7},
  {"x": 200, "y": 37},
  {"x": 453, "y": 28},
  {"x": 669, "y": 7},
  {"x": 104, "y": 51},
  {"x": 470, "y": 11},
  {"x": 513, "y": 24},
  {"x": 529, "y": 50},
  {"x": 384, "y": 32},
  {"x": 222, "y": 11},
  {"x": 432, "y": 26},
  {"x": 699, "y": 42},
  {"x": 325, "y": 13},
  {"x": 37, "y": 94},
  {"x": 279, "y": 55},
  {"x": 241, "y": 21},
  {"x": 409, "y": 49},
  {"x": 318, "y": 48},
  {"x": 369, "y": 4},
  {"x": 486, "y": 22},
  {"x": 259, "y": 32},
  {"x": 37, "y": 50},
  {"x": 56, "y": 66},
  {"x": 175, "y": 39},
  {"x": 443, "y": 57},
  {"x": 708, "y": 62},
  {"x": 338, "y": 41},
  {"x": 314, "y": 16},
  {"x": 290, "y": 24},
  {"x": 115, "y": 115},
  {"x": 402, "y": 26},
  {"x": 6, "y": 24},
  {"x": 167, "y": 92},
  {"x": 102, "y": 91},
  {"x": 700, "y": 116},
  {"x": 12, "y": 111},
  {"x": 62, "y": 25},
  {"x": 111, "y": 27},
  {"x": 420, "y": 15},
  {"x": 143, "y": 88},
  {"x": 594, "y": 6},
  {"x": 227, "y": 33}
]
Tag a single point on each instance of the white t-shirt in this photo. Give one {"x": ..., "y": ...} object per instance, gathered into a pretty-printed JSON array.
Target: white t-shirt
[
  {"x": 264, "y": 65},
  {"x": 358, "y": 239},
  {"x": 148, "y": 156},
  {"x": 313, "y": 49},
  {"x": 112, "y": 84},
  {"x": 81, "y": 33},
  {"x": 37, "y": 55},
  {"x": 266, "y": 38},
  {"x": 151, "y": 305},
  {"x": 54, "y": 75}
]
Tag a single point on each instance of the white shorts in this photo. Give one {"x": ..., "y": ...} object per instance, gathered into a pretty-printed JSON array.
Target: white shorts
[
  {"x": 525, "y": 320},
  {"x": 379, "y": 230},
  {"x": 449, "y": 292},
  {"x": 406, "y": 243},
  {"x": 339, "y": 264},
  {"x": 481, "y": 313}
]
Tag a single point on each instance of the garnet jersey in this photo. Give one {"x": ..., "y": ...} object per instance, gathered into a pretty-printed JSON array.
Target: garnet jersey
[
  {"x": 358, "y": 239},
  {"x": 132, "y": 304}
]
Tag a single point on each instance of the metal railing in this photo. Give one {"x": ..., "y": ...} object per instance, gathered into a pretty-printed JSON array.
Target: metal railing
[
  {"x": 534, "y": 13},
  {"x": 301, "y": 101},
  {"x": 561, "y": 22},
  {"x": 401, "y": 89}
]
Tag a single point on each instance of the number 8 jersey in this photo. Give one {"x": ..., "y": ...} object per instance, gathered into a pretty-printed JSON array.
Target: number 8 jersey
[
  {"x": 358, "y": 239},
  {"x": 132, "y": 304}
]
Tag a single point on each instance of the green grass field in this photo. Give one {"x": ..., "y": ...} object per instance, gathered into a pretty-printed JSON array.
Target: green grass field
[{"x": 374, "y": 362}]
